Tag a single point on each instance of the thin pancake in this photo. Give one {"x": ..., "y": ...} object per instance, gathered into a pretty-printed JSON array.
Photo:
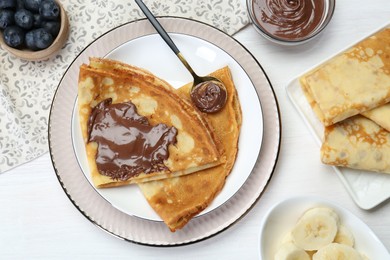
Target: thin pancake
[
  {"x": 352, "y": 82},
  {"x": 357, "y": 143},
  {"x": 380, "y": 115},
  {"x": 195, "y": 149},
  {"x": 177, "y": 200},
  {"x": 114, "y": 66}
]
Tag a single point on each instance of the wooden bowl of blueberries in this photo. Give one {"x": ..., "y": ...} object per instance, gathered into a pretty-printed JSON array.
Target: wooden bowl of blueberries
[{"x": 33, "y": 29}]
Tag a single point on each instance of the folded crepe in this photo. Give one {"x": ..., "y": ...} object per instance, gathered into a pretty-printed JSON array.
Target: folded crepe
[
  {"x": 380, "y": 115},
  {"x": 155, "y": 105},
  {"x": 353, "y": 82},
  {"x": 177, "y": 200},
  {"x": 357, "y": 143}
]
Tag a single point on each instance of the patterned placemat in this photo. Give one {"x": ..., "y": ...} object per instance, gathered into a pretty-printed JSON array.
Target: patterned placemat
[{"x": 27, "y": 87}]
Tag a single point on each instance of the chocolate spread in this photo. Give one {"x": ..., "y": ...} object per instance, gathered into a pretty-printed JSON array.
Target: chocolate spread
[
  {"x": 289, "y": 19},
  {"x": 127, "y": 144},
  {"x": 209, "y": 96}
]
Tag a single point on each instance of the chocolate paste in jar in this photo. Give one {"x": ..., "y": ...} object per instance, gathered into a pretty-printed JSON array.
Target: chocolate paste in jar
[
  {"x": 127, "y": 144},
  {"x": 289, "y": 19}
]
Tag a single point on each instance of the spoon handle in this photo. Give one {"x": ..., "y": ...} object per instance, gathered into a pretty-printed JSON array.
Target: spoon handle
[
  {"x": 166, "y": 38},
  {"x": 157, "y": 26}
]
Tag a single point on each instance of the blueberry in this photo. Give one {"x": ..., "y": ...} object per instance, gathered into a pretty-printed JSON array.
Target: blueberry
[
  {"x": 24, "y": 18},
  {"x": 30, "y": 41},
  {"x": 6, "y": 18},
  {"x": 14, "y": 36},
  {"x": 52, "y": 27},
  {"x": 49, "y": 10},
  {"x": 20, "y": 4},
  {"x": 32, "y": 5},
  {"x": 37, "y": 21},
  {"x": 7, "y": 3},
  {"x": 41, "y": 38}
]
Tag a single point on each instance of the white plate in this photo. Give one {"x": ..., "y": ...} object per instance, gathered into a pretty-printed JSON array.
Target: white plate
[
  {"x": 141, "y": 230},
  {"x": 150, "y": 52},
  {"x": 367, "y": 189},
  {"x": 283, "y": 216}
]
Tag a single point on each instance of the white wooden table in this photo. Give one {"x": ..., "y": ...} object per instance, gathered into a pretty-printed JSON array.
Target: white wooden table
[{"x": 37, "y": 220}]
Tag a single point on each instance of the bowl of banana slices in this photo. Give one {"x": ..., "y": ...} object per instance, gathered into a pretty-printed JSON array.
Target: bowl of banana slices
[{"x": 308, "y": 228}]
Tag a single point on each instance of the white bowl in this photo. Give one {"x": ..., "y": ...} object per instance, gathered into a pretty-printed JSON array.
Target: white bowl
[{"x": 281, "y": 218}]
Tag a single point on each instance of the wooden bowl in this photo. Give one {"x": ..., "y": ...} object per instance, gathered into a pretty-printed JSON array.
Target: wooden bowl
[{"x": 57, "y": 44}]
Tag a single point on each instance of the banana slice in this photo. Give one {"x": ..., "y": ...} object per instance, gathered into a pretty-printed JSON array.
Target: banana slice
[
  {"x": 289, "y": 251},
  {"x": 324, "y": 210},
  {"x": 315, "y": 229},
  {"x": 286, "y": 238},
  {"x": 337, "y": 251},
  {"x": 344, "y": 236}
]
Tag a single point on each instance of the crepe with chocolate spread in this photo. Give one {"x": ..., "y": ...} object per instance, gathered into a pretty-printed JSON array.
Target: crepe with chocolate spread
[
  {"x": 358, "y": 143},
  {"x": 177, "y": 200},
  {"x": 353, "y": 82},
  {"x": 132, "y": 110}
]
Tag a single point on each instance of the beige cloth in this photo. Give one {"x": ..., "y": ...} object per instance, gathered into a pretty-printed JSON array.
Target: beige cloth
[{"x": 27, "y": 88}]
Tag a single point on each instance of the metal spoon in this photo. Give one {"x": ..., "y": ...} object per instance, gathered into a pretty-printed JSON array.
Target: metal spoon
[{"x": 198, "y": 80}]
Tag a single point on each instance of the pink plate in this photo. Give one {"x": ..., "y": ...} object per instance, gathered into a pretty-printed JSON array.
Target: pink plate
[{"x": 104, "y": 214}]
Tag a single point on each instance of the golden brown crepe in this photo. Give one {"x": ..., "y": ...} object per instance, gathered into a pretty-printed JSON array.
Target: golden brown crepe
[
  {"x": 355, "y": 81},
  {"x": 177, "y": 200},
  {"x": 358, "y": 143},
  {"x": 380, "y": 115},
  {"x": 195, "y": 148}
]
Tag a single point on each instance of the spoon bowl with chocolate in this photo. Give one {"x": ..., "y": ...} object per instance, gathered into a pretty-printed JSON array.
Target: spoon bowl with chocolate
[{"x": 207, "y": 93}]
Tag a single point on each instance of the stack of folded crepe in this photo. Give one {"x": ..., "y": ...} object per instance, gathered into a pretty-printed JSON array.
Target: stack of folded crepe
[
  {"x": 350, "y": 95},
  {"x": 206, "y": 147}
]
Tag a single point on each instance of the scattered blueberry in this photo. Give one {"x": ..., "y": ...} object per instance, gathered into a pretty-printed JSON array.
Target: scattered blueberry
[
  {"x": 7, "y": 3},
  {"x": 24, "y": 19},
  {"x": 52, "y": 27},
  {"x": 49, "y": 10},
  {"x": 6, "y": 18},
  {"x": 32, "y": 5},
  {"x": 42, "y": 38},
  {"x": 14, "y": 36}
]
